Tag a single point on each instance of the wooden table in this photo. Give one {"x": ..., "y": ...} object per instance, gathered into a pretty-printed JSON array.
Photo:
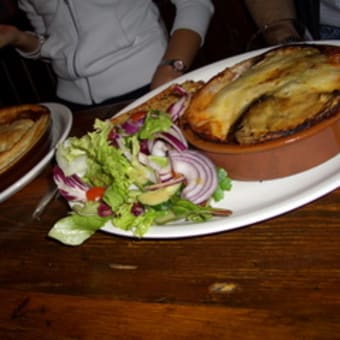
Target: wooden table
[{"x": 278, "y": 279}]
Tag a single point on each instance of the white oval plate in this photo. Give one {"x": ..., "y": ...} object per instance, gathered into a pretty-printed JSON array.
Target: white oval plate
[
  {"x": 251, "y": 202},
  {"x": 61, "y": 125}
]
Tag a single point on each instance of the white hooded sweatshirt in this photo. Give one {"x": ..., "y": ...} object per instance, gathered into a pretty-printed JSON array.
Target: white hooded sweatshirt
[{"x": 100, "y": 49}]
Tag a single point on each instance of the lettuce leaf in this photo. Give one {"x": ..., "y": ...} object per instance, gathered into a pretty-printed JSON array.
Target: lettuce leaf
[{"x": 75, "y": 229}]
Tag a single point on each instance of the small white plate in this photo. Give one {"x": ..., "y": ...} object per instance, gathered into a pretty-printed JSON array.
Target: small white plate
[
  {"x": 251, "y": 202},
  {"x": 61, "y": 125}
]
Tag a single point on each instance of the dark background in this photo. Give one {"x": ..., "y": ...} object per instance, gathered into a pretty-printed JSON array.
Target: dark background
[{"x": 28, "y": 81}]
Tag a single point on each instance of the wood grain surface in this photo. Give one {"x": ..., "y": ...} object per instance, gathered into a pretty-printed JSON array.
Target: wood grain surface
[{"x": 277, "y": 279}]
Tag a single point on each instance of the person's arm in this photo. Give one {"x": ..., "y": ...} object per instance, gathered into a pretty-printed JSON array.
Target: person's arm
[
  {"x": 270, "y": 17},
  {"x": 183, "y": 45},
  {"x": 186, "y": 37},
  {"x": 23, "y": 41},
  {"x": 26, "y": 42}
]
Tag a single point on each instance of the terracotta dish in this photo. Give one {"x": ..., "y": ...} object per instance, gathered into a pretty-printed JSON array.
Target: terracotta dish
[
  {"x": 269, "y": 116},
  {"x": 277, "y": 158}
]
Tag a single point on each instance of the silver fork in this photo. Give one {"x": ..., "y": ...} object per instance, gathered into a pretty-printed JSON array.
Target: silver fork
[{"x": 45, "y": 201}]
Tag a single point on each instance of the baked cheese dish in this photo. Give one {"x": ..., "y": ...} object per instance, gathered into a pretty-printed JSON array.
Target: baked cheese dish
[
  {"x": 268, "y": 96},
  {"x": 21, "y": 128}
]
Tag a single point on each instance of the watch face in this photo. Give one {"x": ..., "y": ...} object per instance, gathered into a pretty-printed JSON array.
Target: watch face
[{"x": 179, "y": 65}]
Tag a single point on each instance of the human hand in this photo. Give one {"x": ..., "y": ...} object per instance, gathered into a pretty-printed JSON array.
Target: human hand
[
  {"x": 162, "y": 75},
  {"x": 183, "y": 45},
  {"x": 8, "y": 35},
  {"x": 278, "y": 32}
]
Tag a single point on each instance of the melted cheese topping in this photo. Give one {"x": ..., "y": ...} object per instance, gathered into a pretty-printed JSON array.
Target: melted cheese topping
[
  {"x": 11, "y": 133},
  {"x": 284, "y": 81}
]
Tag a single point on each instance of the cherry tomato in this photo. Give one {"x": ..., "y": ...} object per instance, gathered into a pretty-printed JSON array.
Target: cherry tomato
[
  {"x": 138, "y": 115},
  {"x": 95, "y": 193}
]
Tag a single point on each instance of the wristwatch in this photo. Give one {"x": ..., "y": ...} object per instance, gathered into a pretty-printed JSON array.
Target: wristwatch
[{"x": 177, "y": 64}]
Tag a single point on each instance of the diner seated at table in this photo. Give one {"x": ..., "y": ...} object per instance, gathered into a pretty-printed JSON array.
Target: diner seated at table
[
  {"x": 108, "y": 52},
  {"x": 283, "y": 21}
]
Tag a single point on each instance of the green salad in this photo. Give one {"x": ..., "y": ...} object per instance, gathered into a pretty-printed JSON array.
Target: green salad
[{"x": 135, "y": 174}]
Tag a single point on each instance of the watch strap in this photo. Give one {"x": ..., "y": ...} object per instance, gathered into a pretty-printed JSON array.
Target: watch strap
[{"x": 177, "y": 64}]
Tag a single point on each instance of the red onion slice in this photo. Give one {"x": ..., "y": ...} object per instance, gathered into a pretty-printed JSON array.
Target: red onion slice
[
  {"x": 161, "y": 174},
  {"x": 165, "y": 174},
  {"x": 180, "y": 90},
  {"x": 200, "y": 174},
  {"x": 174, "y": 137},
  {"x": 176, "y": 131},
  {"x": 171, "y": 181},
  {"x": 131, "y": 127},
  {"x": 177, "y": 109},
  {"x": 173, "y": 141}
]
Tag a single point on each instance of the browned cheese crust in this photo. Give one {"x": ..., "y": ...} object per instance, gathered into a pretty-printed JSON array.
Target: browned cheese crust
[
  {"x": 21, "y": 128},
  {"x": 161, "y": 101},
  {"x": 268, "y": 96}
]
